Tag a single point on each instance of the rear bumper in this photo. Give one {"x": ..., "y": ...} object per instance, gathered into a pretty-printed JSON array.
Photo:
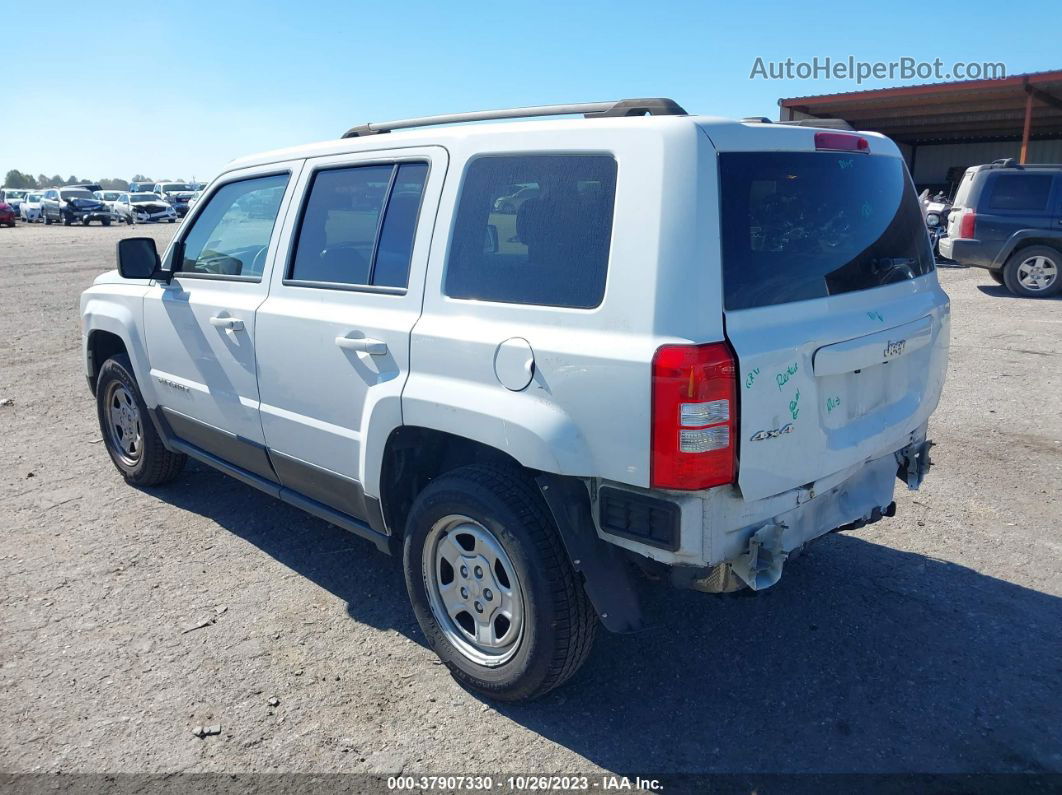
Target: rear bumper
[
  {"x": 967, "y": 252},
  {"x": 721, "y": 535}
]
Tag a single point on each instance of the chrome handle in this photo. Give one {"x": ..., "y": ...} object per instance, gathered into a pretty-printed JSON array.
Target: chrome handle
[
  {"x": 363, "y": 344},
  {"x": 230, "y": 323}
]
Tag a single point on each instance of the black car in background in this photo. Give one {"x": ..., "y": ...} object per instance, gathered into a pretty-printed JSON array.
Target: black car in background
[
  {"x": 1007, "y": 218},
  {"x": 73, "y": 204}
]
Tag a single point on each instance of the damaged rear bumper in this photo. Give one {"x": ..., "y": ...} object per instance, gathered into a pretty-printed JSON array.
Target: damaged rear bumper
[{"x": 728, "y": 543}]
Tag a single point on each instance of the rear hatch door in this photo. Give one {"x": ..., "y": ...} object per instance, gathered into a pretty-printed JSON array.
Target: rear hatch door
[{"x": 833, "y": 309}]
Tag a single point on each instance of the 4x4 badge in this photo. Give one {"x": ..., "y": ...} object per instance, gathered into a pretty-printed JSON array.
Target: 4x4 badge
[{"x": 759, "y": 436}]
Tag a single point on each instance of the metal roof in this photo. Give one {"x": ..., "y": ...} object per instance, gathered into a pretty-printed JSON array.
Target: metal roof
[{"x": 969, "y": 110}]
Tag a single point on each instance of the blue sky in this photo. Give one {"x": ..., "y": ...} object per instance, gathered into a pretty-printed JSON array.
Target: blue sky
[{"x": 177, "y": 89}]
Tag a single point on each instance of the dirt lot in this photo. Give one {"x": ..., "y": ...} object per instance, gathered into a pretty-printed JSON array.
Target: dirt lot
[{"x": 929, "y": 642}]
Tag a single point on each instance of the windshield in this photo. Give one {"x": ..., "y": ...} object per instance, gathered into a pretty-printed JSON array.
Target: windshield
[
  {"x": 15, "y": 194},
  {"x": 143, "y": 197},
  {"x": 33, "y": 197},
  {"x": 172, "y": 187},
  {"x": 76, "y": 194},
  {"x": 802, "y": 225}
]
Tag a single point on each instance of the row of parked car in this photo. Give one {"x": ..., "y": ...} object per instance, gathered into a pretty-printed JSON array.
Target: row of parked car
[{"x": 70, "y": 204}]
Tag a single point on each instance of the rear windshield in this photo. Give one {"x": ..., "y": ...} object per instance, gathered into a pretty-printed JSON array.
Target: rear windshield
[
  {"x": 963, "y": 193},
  {"x": 803, "y": 225}
]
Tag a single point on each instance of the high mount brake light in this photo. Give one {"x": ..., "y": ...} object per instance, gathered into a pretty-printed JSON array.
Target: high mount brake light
[
  {"x": 694, "y": 417},
  {"x": 841, "y": 142}
]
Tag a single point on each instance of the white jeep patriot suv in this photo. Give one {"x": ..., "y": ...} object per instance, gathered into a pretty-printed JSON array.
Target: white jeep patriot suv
[{"x": 694, "y": 346}]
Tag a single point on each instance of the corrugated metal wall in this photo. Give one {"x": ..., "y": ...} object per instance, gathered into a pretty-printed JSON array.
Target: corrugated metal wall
[{"x": 932, "y": 162}]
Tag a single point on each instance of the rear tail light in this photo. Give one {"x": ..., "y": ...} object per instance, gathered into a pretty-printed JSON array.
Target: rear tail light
[
  {"x": 968, "y": 224},
  {"x": 842, "y": 142},
  {"x": 694, "y": 417}
]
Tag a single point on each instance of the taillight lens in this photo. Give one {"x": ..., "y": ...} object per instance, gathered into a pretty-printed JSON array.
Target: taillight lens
[
  {"x": 968, "y": 224},
  {"x": 694, "y": 433},
  {"x": 841, "y": 142}
]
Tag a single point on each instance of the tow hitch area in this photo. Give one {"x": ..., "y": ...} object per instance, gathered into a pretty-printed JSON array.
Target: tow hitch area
[
  {"x": 760, "y": 566},
  {"x": 914, "y": 463}
]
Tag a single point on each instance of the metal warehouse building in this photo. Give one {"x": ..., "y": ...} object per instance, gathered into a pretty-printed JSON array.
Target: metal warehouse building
[{"x": 942, "y": 128}]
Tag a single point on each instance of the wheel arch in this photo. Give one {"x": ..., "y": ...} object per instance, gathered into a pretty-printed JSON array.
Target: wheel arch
[
  {"x": 414, "y": 456},
  {"x": 1024, "y": 239},
  {"x": 110, "y": 321}
]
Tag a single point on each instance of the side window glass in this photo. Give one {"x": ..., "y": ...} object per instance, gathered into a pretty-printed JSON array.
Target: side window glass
[
  {"x": 231, "y": 235},
  {"x": 1020, "y": 192},
  {"x": 534, "y": 229},
  {"x": 359, "y": 222},
  {"x": 399, "y": 226}
]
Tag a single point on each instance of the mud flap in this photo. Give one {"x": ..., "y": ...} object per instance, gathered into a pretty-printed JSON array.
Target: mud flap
[
  {"x": 606, "y": 575},
  {"x": 760, "y": 566},
  {"x": 914, "y": 462}
]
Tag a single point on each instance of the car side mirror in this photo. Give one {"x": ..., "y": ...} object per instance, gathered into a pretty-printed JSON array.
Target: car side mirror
[{"x": 138, "y": 258}]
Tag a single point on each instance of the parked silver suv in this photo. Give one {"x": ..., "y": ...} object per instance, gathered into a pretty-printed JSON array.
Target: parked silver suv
[{"x": 694, "y": 346}]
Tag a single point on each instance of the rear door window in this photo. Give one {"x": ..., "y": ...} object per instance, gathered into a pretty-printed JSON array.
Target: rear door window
[
  {"x": 534, "y": 229},
  {"x": 358, "y": 225},
  {"x": 1020, "y": 192},
  {"x": 804, "y": 225}
]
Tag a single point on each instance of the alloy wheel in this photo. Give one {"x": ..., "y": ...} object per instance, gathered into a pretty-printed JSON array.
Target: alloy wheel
[{"x": 1037, "y": 273}]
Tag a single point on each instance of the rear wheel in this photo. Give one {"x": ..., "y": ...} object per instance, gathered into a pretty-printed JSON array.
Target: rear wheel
[
  {"x": 106, "y": 221},
  {"x": 1034, "y": 272},
  {"x": 46, "y": 218},
  {"x": 131, "y": 439},
  {"x": 491, "y": 584}
]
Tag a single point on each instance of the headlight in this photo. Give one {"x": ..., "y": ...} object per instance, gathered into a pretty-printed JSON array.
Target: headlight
[{"x": 932, "y": 219}]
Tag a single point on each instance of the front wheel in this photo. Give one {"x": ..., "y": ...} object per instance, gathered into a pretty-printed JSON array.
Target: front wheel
[
  {"x": 106, "y": 221},
  {"x": 131, "y": 439},
  {"x": 1034, "y": 272},
  {"x": 491, "y": 584}
]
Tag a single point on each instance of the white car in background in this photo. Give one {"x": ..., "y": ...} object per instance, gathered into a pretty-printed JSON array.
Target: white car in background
[
  {"x": 143, "y": 208},
  {"x": 30, "y": 208},
  {"x": 109, "y": 198}
]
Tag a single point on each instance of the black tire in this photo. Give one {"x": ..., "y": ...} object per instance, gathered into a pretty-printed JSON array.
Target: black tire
[
  {"x": 155, "y": 464},
  {"x": 105, "y": 221},
  {"x": 559, "y": 622},
  {"x": 1011, "y": 276},
  {"x": 997, "y": 277},
  {"x": 47, "y": 219},
  {"x": 67, "y": 220}
]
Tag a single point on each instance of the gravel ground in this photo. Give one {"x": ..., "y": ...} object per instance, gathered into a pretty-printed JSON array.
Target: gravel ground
[{"x": 931, "y": 642}]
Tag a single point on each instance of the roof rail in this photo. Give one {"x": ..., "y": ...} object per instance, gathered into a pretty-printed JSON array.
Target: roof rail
[
  {"x": 654, "y": 106},
  {"x": 1010, "y": 162}
]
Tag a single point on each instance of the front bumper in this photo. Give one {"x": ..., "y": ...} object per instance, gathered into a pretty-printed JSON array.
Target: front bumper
[
  {"x": 154, "y": 218},
  {"x": 726, "y": 542},
  {"x": 89, "y": 215}
]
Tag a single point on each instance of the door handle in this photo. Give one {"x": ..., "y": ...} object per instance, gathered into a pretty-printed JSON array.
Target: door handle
[
  {"x": 230, "y": 323},
  {"x": 363, "y": 344}
]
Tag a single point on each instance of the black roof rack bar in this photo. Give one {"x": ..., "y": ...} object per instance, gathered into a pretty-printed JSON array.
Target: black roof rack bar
[{"x": 657, "y": 106}]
